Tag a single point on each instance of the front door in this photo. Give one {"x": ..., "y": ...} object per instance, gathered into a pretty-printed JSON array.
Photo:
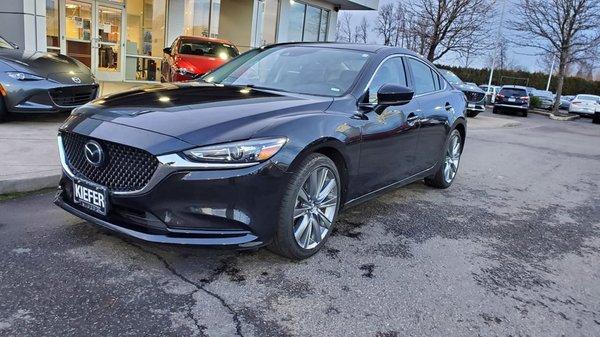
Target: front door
[
  {"x": 390, "y": 135},
  {"x": 93, "y": 35},
  {"x": 107, "y": 52}
]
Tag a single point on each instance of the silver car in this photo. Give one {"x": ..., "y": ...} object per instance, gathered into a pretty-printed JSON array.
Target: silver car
[
  {"x": 41, "y": 82},
  {"x": 585, "y": 105}
]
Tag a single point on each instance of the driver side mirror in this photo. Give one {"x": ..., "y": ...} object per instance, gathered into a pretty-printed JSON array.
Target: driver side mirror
[
  {"x": 393, "y": 94},
  {"x": 14, "y": 44},
  {"x": 167, "y": 50}
]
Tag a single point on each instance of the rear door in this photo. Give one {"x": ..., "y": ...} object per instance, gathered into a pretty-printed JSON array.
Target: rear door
[{"x": 435, "y": 106}]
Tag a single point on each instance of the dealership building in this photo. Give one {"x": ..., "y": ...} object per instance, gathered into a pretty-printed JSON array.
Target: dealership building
[{"x": 123, "y": 40}]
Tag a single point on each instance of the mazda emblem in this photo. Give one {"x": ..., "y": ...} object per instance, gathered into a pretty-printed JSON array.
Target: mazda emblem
[
  {"x": 93, "y": 153},
  {"x": 76, "y": 79}
]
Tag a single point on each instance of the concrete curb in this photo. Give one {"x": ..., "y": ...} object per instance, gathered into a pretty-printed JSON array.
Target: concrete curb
[
  {"x": 29, "y": 184},
  {"x": 553, "y": 116}
]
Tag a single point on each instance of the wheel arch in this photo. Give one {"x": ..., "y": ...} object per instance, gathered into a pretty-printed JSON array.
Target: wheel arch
[{"x": 334, "y": 150}]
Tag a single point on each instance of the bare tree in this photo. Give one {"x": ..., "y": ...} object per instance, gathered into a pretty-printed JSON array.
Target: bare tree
[
  {"x": 344, "y": 28},
  {"x": 502, "y": 55},
  {"x": 386, "y": 23},
  {"x": 449, "y": 25},
  {"x": 567, "y": 29},
  {"x": 361, "y": 31}
]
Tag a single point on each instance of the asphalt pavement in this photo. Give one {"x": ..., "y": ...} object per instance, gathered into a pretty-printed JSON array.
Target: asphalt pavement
[{"x": 512, "y": 248}]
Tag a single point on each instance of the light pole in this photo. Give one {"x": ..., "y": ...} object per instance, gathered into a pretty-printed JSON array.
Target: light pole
[
  {"x": 497, "y": 47},
  {"x": 550, "y": 75}
]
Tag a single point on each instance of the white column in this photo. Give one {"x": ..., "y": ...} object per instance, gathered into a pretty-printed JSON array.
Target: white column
[{"x": 24, "y": 22}]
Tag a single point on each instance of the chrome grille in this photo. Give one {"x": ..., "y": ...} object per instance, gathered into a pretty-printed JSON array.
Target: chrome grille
[
  {"x": 126, "y": 168},
  {"x": 474, "y": 97}
]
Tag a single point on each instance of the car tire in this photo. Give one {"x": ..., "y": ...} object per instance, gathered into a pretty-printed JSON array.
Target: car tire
[
  {"x": 495, "y": 110},
  {"x": 524, "y": 114},
  {"x": 472, "y": 114},
  {"x": 450, "y": 161},
  {"x": 290, "y": 222},
  {"x": 3, "y": 111}
]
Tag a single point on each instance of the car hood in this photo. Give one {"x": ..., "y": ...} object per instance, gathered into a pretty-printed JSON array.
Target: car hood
[
  {"x": 48, "y": 65},
  {"x": 200, "y": 113},
  {"x": 202, "y": 64},
  {"x": 468, "y": 88}
]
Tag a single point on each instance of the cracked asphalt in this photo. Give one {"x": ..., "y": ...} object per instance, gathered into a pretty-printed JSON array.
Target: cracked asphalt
[{"x": 512, "y": 248}]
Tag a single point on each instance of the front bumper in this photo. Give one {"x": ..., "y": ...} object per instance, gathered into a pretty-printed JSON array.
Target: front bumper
[
  {"x": 46, "y": 95},
  {"x": 582, "y": 111},
  {"x": 477, "y": 107},
  {"x": 191, "y": 206},
  {"x": 511, "y": 106}
]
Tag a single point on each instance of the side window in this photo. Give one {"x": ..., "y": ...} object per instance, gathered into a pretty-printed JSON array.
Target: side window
[
  {"x": 390, "y": 72},
  {"x": 423, "y": 77}
]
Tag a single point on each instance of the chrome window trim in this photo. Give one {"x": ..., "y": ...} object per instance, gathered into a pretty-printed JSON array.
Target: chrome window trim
[{"x": 407, "y": 56}]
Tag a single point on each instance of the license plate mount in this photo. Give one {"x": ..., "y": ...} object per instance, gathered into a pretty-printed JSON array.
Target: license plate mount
[{"x": 90, "y": 196}]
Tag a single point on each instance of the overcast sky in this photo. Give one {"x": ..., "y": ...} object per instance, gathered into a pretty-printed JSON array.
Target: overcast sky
[{"x": 524, "y": 57}]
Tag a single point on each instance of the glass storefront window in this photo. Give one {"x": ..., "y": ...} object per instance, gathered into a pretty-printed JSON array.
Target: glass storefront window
[
  {"x": 266, "y": 27},
  {"x": 295, "y": 22},
  {"x": 306, "y": 23},
  {"x": 324, "y": 25},
  {"x": 311, "y": 24},
  {"x": 215, "y": 12},
  {"x": 109, "y": 35},
  {"x": 145, "y": 39},
  {"x": 52, "y": 25},
  {"x": 196, "y": 17},
  {"x": 78, "y": 31}
]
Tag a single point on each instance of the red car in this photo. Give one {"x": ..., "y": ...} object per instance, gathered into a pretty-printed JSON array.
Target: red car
[{"x": 190, "y": 57}]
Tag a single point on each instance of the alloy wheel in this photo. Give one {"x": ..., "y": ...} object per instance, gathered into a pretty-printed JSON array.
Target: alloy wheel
[
  {"x": 315, "y": 207},
  {"x": 452, "y": 158}
]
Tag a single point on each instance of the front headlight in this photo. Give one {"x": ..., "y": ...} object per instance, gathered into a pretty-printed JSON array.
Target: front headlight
[
  {"x": 249, "y": 151},
  {"x": 17, "y": 75}
]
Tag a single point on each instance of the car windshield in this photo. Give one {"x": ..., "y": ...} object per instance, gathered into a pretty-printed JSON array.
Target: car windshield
[
  {"x": 207, "y": 48},
  {"x": 451, "y": 77},
  {"x": 299, "y": 69},
  {"x": 588, "y": 98},
  {"x": 542, "y": 93},
  {"x": 5, "y": 44}
]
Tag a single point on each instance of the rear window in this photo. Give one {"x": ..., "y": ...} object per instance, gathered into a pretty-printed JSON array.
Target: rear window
[
  {"x": 207, "y": 48},
  {"x": 513, "y": 92},
  {"x": 588, "y": 97}
]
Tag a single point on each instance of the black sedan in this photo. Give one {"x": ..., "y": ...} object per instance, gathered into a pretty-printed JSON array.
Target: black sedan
[
  {"x": 41, "y": 82},
  {"x": 265, "y": 150}
]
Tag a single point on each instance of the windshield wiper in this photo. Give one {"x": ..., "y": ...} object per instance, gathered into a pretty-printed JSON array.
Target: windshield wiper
[{"x": 254, "y": 86}]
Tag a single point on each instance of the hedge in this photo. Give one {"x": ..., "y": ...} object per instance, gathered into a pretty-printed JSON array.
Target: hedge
[{"x": 572, "y": 85}]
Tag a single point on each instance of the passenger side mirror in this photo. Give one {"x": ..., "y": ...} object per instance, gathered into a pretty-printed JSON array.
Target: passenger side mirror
[
  {"x": 15, "y": 45},
  {"x": 393, "y": 94},
  {"x": 167, "y": 50}
]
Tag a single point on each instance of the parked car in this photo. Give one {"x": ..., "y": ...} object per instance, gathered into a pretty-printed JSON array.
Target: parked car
[
  {"x": 247, "y": 158},
  {"x": 490, "y": 92},
  {"x": 585, "y": 105},
  {"x": 565, "y": 102},
  {"x": 512, "y": 98},
  {"x": 545, "y": 98},
  {"x": 41, "y": 82},
  {"x": 190, "y": 57},
  {"x": 474, "y": 95}
]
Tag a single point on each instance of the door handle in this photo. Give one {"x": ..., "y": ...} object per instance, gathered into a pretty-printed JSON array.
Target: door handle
[
  {"x": 449, "y": 108},
  {"x": 412, "y": 119}
]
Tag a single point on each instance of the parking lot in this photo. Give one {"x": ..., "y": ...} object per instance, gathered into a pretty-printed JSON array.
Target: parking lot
[{"x": 512, "y": 248}]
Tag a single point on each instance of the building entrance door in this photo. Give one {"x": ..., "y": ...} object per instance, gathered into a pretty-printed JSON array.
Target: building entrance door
[{"x": 93, "y": 35}]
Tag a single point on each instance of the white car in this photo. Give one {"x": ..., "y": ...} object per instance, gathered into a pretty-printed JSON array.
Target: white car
[
  {"x": 585, "y": 104},
  {"x": 490, "y": 92}
]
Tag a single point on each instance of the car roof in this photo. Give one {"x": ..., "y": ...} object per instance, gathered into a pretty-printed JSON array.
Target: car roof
[
  {"x": 514, "y": 87},
  {"x": 203, "y": 38},
  {"x": 371, "y": 48}
]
